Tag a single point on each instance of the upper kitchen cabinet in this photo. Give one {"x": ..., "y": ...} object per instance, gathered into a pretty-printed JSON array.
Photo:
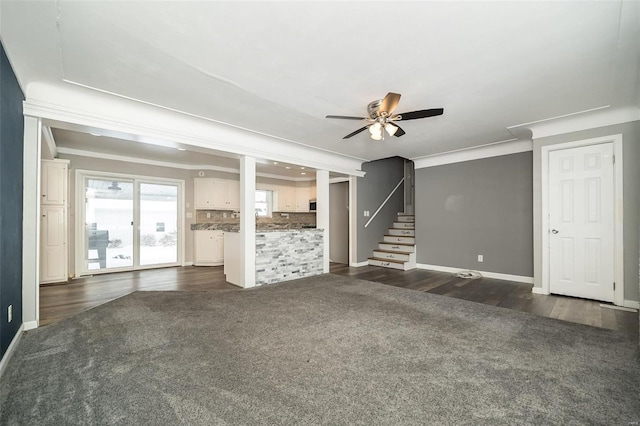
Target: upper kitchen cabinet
[
  {"x": 292, "y": 199},
  {"x": 216, "y": 194},
  {"x": 54, "y": 182}
]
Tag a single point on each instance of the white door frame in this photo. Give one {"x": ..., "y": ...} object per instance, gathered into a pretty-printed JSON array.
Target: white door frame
[
  {"x": 618, "y": 262},
  {"x": 80, "y": 229}
]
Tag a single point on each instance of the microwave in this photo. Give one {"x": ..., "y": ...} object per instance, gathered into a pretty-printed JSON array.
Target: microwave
[{"x": 312, "y": 205}]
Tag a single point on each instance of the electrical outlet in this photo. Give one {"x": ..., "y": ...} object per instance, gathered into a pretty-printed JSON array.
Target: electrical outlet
[
  {"x": 224, "y": 215},
  {"x": 366, "y": 213},
  {"x": 208, "y": 215},
  {"x": 480, "y": 258},
  {"x": 189, "y": 215},
  {"x": 9, "y": 313}
]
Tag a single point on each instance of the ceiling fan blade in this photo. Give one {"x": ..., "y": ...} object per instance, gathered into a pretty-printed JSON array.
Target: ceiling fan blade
[
  {"x": 423, "y": 113},
  {"x": 344, "y": 117},
  {"x": 399, "y": 132},
  {"x": 389, "y": 103},
  {"x": 356, "y": 132}
]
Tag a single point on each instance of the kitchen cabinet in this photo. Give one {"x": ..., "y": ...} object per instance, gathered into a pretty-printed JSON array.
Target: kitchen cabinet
[
  {"x": 53, "y": 186},
  {"x": 303, "y": 195},
  {"x": 292, "y": 199},
  {"x": 53, "y": 244},
  {"x": 53, "y": 221},
  {"x": 208, "y": 248},
  {"x": 226, "y": 194},
  {"x": 203, "y": 194},
  {"x": 216, "y": 194}
]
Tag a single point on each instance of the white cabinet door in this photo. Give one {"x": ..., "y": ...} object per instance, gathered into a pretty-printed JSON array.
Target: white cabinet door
[
  {"x": 226, "y": 194},
  {"x": 203, "y": 193},
  {"x": 54, "y": 182},
  {"x": 286, "y": 199},
  {"x": 233, "y": 194},
  {"x": 53, "y": 244},
  {"x": 208, "y": 248},
  {"x": 302, "y": 199}
]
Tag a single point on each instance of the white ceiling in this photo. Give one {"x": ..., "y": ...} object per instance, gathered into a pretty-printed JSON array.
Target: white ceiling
[{"x": 279, "y": 67}]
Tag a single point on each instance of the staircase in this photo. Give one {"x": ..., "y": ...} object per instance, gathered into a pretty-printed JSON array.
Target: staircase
[{"x": 397, "y": 249}]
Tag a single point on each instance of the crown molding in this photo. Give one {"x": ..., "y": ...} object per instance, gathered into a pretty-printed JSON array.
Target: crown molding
[
  {"x": 86, "y": 109},
  {"x": 582, "y": 120},
  {"x": 496, "y": 149},
  {"x": 136, "y": 160}
]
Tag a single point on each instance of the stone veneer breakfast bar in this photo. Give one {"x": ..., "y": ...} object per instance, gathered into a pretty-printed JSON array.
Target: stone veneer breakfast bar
[{"x": 281, "y": 255}]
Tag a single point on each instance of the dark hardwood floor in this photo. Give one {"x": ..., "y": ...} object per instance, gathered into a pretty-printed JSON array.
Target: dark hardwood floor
[{"x": 59, "y": 301}]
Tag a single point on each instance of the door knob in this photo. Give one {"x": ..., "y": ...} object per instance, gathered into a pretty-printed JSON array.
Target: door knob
[{"x": 554, "y": 231}]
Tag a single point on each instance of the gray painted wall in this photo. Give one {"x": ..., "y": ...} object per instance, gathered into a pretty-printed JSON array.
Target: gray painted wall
[
  {"x": 631, "y": 193},
  {"x": 339, "y": 222},
  {"x": 381, "y": 177},
  {"x": 477, "y": 207}
]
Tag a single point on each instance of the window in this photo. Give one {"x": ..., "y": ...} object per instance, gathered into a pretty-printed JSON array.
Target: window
[{"x": 263, "y": 203}]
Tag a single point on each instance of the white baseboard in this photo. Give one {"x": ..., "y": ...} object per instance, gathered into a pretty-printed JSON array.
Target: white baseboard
[
  {"x": 12, "y": 346},
  {"x": 30, "y": 325},
  {"x": 494, "y": 275},
  {"x": 631, "y": 304},
  {"x": 359, "y": 264},
  {"x": 538, "y": 290},
  {"x": 187, "y": 264}
]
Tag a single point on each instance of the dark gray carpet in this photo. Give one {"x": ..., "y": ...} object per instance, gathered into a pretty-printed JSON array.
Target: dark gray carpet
[{"x": 325, "y": 350}]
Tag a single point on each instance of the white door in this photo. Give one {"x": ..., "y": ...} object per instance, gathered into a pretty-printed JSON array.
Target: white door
[
  {"x": 581, "y": 197},
  {"x": 53, "y": 234}
]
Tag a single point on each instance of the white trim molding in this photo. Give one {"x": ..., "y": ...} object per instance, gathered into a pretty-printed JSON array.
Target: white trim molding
[
  {"x": 617, "y": 212},
  {"x": 631, "y": 304},
  {"x": 538, "y": 290},
  {"x": 485, "y": 274},
  {"x": 582, "y": 120},
  {"x": 495, "y": 149},
  {"x": 30, "y": 325},
  {"x": 9, "y": 352},
  {"x": 80, "y": 109},
  {"x": 359, "y": 264}
]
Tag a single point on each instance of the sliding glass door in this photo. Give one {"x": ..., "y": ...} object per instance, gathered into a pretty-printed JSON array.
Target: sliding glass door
[
  {"x": 109, "y": 224},
  {"x": 129, "y": 223},
  {"x": 158, "y": 235}
]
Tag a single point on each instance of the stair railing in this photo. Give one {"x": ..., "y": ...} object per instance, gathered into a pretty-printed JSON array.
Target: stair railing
[{"x": 384, "y": 202}]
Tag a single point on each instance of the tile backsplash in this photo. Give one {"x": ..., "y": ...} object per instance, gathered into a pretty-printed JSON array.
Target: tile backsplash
[{"x": 278, "y": 220}]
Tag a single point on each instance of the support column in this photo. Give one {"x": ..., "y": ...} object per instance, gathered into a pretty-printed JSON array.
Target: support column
[
  {"x": 322, "y": 212},
  {"x": 31, "y": 223},
  {"x": 248, "y": 220}
]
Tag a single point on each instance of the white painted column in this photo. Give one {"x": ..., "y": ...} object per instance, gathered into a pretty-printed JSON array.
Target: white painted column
[
  {"x": 322, "y": 212},
  {"x": 248, "y": 220},
  {"x": 31, "y": 223},
  {"x": 353, "y": 220}
]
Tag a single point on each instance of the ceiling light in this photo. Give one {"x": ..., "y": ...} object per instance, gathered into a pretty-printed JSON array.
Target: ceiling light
[
  {"x": 275, "y": 163},
  {"x": 303, "y": 173},
  {"x": 301, "y": 168},
  {"x": 95, "y": 134},
  {"x": 375, "y": 129},
  {"x": 377, "y": 137},
  {"x": 181, "y": 149},
  {"x": 391, "y": 129},
  {"x": 287, "y": 167}
]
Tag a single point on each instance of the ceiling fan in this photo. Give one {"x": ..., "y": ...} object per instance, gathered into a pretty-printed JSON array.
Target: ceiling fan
[{"x": 382, "y": 118}]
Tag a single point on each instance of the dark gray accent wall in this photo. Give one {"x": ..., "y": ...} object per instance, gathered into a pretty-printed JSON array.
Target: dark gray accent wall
[
  {"x": 11, "y": 149},
  {"x": 372, "y": 189},
  {"x": 630, "y": 191},
  {"x": 477, "y": 207}
]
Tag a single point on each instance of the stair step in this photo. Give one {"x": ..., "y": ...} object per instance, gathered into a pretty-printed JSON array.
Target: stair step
[
  {"x": 406, "y": 218},
  {"x": 392, "y": 255},
  {"x": 404, "y": 225},
  {"x": 399, "y": 239},
  {"x": 386, "y": 263},
  {"x": 399, "y": 247},
  {"x": 401, "y": 231}
]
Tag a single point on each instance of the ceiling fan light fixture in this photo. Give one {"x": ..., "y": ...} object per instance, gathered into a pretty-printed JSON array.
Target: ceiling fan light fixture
[
  {"x": 375, "y": 129},
  {"x": 391, "y": 129},
  {"x": 377, "y": 136}
]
